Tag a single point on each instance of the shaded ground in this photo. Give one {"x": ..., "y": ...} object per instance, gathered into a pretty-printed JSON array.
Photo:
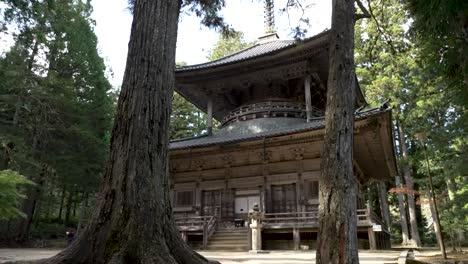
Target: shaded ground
[
  {"x": 275, "y": 257},
  {"x": 434, "y": 256}
]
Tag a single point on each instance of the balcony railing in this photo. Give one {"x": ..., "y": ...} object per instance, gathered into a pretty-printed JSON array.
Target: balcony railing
[
  {"x": 269, "y": 109},
  {"x": 311, "y": 219},
  {"x": 203, "y": 225}
]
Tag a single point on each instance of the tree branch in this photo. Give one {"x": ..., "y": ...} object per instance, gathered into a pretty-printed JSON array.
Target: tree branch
[{"x": 365, "y": 13}]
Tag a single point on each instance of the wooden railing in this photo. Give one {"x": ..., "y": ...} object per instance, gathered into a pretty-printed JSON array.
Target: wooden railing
[
  {"x": 206, "y": 225},
  {"x": 269, "y": 109},
  {"x": 311, "y": 219}
]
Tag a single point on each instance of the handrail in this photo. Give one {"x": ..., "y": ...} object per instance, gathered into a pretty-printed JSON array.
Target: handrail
[{"x": 206, "y": 224}]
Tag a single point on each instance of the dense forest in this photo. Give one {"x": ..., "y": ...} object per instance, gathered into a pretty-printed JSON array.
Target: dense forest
[{"x": 57, "y": 109}]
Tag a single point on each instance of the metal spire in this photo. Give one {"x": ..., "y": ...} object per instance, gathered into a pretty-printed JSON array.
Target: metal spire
[{"x": 269, "y": 17}]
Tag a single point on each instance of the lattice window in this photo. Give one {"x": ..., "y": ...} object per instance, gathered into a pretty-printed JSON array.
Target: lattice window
[
  {"x": 311, "y": 190},
  {"x": 184, "y": 198}
]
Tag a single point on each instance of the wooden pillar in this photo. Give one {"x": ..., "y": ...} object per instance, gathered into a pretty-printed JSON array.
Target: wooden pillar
[
  {"x": 372, "y": 239},
  {"x": 209, "y": 117},
  {"x": 198, "y": 198},
  {"x": 205, "y": 234},
  {"x": 308, "y": 98},
  {"x": 296, "y": 238},
  {"x": 183, "y": 234}
]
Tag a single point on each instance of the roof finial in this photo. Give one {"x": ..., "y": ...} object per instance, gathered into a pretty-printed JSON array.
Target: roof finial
[{"x": 269, "y": 17}]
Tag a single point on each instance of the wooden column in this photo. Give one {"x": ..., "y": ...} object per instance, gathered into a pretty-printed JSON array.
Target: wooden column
[
  {"x": 372, "y": 239},
  {"x": 308, "y": 99},
  {"x": 198, "y": 197},
  {"x": 209, "y": 117},
  {"x": 296, "y": 238},
  {"x": 183, "y": 234}
]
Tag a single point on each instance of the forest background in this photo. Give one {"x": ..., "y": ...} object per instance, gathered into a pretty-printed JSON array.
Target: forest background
[{"x": 57, "y": 108}]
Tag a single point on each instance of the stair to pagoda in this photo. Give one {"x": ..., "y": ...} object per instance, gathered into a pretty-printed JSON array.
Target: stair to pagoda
[{"x": 229, "y": 240}]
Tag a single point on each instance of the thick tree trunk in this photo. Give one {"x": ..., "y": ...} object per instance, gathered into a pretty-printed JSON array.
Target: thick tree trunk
[
  {"x": 403, "y": 216},
  {"x": 415, "y": 240},
  {"x": 133, "y": 221},
  {"x": 337, "y": 238}
]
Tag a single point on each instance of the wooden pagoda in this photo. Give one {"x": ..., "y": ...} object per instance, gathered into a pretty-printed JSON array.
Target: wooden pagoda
[{"x": 270, "y": 100}]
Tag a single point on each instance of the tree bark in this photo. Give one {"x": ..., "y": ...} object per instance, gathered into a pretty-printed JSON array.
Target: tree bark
[
  {"x": 337, "y": 237},
  {"x": 403, "y": 216},
  {"x": 415, "y": 240},
  {"x": 133, "y": 221}
]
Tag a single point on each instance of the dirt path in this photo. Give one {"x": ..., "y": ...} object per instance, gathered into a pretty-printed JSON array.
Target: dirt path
[{"x": 275, "y": 257}]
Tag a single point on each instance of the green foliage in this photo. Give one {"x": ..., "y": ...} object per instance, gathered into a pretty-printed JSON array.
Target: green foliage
[
  {"x": 439, "y": 29},
  {"x": 186, "y": 119},
  {"x": 227, "y": 46},
  {"x": 12, "y": 194},
  {"x": 56, "y": 105},
  {"x": 394, "y": 63}
]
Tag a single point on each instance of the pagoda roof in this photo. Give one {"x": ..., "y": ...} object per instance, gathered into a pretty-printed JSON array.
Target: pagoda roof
[
  {"x": 257, "y": 50},
  {"x": 373, "y": 139},
  {"x": 264, "y": 127},
  {"x": 220, "y": 80}
]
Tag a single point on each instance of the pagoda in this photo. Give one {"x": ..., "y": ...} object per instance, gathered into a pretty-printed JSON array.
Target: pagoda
[{"x": 270, "y": 101}]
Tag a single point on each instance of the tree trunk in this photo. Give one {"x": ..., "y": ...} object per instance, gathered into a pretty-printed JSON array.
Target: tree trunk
[
  {"x": 403, "y": 217},
  {"x": 415, "y": 240},
  {"x": 29, "y": 207},
  {"x": 452, "y": 189},
  {"x": 62, "y": 201},
  {"x": 68, "y": 208},
  {"x": 133, "y": 220},
  {"x": 83, "y": 212},
  {"x": 337, "y": 237},
  {"x": 383, "y": 201}
]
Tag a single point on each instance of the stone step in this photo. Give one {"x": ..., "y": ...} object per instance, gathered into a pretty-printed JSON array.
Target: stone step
[
  {"x": 229, "y": 240},
  {"x": 227, "y": 247},
  {"x": 242, "y": 238}
]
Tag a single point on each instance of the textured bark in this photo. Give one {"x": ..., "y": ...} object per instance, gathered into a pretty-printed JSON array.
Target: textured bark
[
  {"x": 133, "y": 220},
  {"x": 337, "y": 238},
  {"x": 415, "y": 240},
  {"x": 403, "y": 216}
]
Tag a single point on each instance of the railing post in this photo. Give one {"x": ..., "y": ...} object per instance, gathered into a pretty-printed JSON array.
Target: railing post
[{"x": 205, "y": 234}]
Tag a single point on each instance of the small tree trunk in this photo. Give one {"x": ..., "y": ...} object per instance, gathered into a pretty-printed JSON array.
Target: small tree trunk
[
  {"x": 383, "y": 201},
  {"x": 337, "y": 237},
  {"x": 83, "y": 212},
  {"x": 403, "y": 216},
  {"x": 133, "y": 220},
  {"x": 452, "y": 189},
  {"x": 62, "y": 201},
  {"x": 29, "y": 207},
  {"x": 415, "y": 240},
  {"x": 69, "y": 206}
]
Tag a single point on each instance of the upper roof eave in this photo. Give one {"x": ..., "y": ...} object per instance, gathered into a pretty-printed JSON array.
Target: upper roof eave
[{"x": 242, "y": 55}]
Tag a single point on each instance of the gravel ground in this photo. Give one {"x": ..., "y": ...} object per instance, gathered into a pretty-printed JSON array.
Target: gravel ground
[{"x": 274, "y": 257}]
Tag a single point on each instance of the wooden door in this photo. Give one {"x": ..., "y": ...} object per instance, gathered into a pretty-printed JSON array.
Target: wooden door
[
  {"x": 211, "y": 203},
  {"x": 283, "y": 198}
]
